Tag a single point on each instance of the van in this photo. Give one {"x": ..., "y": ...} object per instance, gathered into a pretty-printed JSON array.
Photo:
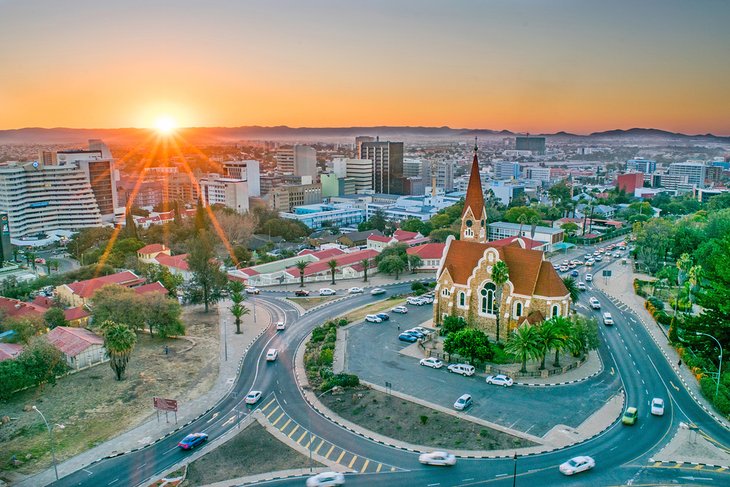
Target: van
[
  {"x": 463, "y": 402},
  {"x": 462, "y": 369},
  {"x": 607, "y": 319},
  {"x": 271, "y": 355}
]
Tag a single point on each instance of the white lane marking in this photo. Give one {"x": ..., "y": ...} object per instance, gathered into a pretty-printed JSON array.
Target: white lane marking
[
  {"x": 115, "y": 480},
  {"x": 501, "y": 475},
  {"x": 88, "y": 471},
  {"x": 145, "y": 463},
  {"x": 215, "y": 415}
]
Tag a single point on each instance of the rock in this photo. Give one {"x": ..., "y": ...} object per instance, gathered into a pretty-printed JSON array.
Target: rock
[
  {"x": 29, "y": 456},
  {"x": 27, "y": 408},
  {"x": 5, "y": 419}
]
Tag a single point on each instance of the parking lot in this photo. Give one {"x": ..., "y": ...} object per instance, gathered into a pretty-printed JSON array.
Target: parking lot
[{"x": 373, "y": 354}]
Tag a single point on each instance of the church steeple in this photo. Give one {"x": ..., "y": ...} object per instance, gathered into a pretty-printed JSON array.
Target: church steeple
[{"x": 473, "y": 224}]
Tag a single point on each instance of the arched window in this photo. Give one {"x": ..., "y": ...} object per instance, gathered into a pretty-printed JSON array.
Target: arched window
[
  {"x": 462, "y": 299},
  {"x": 488, "y": 304},
  {"x": 518, "y": 309},
  {"x": 556, "y": 310},
  {"x": 446, "y": 292}
]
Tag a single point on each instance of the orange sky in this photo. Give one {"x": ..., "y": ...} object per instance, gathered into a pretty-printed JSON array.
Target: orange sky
[{"x": 522, "y": 65}]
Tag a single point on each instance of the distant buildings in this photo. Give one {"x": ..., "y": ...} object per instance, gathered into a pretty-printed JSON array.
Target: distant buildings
[
  {"x": 546, "y": 235},
  {"x": 538, "y": 174},
  {"x": 630, "y": 181},
  {"x": 285, "y": 198},
  {"x": 358, "y": 171},
  {"x": 248, "y": 171},
  {"x": 534, "y": 144},
  {"x": 298, "y": 160},
  {"x": 318, "y": 215},
  {"x": 506, "y": 170},
  {"x": 646, "y": 166},
  {"x": 695, "y": 171},
  {"x": 387, "y": 163},
  {"x": 231, "y": 193}
]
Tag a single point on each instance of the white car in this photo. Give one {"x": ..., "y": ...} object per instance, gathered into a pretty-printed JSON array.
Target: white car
[
  {"x": 607, "y": 318},
  {"x": 595, "y": 304},
  {"x": 589, "y": 277},
  {"x": 412, "y": 300},
  {"x": 427, "y": 298},
  {"x": 355, "y": 290},
  {"x": 617, "y": 254},
  {"x": 252, "y": 290},
  {"x": 500, "y": 380},
  {"x": 461, "y": 369},
  {"x": 463, "y": 402},
  {"x": 373, "y": 319},
  {"x": 325, "y": 291},
  {"x": 599, "y": 258},
  {"x": 423, "y": 330},
  {"x": 437, "y": 458},
  {"x": 253, "y": 397},
  {"x": 564, "y": 268},
  {"x": 577, "y": 465},
  {"x": 377, "y": 290},
  {"x": 657, "y": 406},
  {"x": 434, "y": 363},
  {"x": 582, "y": 286},
  {"x": 271, "y": 355},
  {"x": 280, "y": 325},
  {"x": 326, "y": 479},
  {"x": 400, "y": 309}
]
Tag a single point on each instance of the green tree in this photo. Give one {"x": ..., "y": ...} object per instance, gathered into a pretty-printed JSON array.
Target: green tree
[
  {"x": 414, "y": 262},
  {"x": 377, "y": 220},
  {"x": 584, "y": 335},
  {"x": 500, "y": 276},
  {"x": 559, "y": 193},
  {"x": 54, "y": 317},
  {"x": 208, "y": 280},
  {"x": 452, "y": 324},
  {"x": 119, "y": 341},
  {"x": 201, "y": 219},
  {"x": 441, "y": 234},
  {"x": 365, "y": 263},
  {"x": 548, "y": 338},
  {"x": 130, "y": 228},
  {"x": 523, "y": 342},
  {"x": 513, "y": 214},
  {"x": 301, "y": 265},
  {"x": 162, "y": 315},
  {"x": 238, "y": 310},
  {"x": 563, "y": 329},
  {"x": 572, "y": 288},
  {"x": 25, "y": 327},
  {"x": 392, "y": 264},
  {"x": 570, "y": 228},
  {"x": 471, "y": 343},
  {"x": 12, "y": 378},
  {"x": 156, "y": 272},
  {"x": 332, "y": 264},
  {"x": 42, "y": 362},
  {"x": 118, "y": 304},
  {"x": 534, "y": 222}
]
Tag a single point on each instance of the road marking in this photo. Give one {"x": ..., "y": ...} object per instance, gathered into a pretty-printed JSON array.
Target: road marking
[
  {"x": 88, "y": 471},
  {"x": 392, "y": 469},
  {"x": 672, "y": 384},
  {"x": 293, "y": 430},
  {"x": 438, "y": 483},
  {"x": 340, "y": 457},
  {"x": 657, "y": 464},
  {"x": 285, "y": 425},
  {"x": 278, "y": 419},
  {"x": 377, "y": 470},
  {"x": 365, "y": 465},
  {"x": 115, "y": 480},
  {"x": 352, "y": 462},
  {"x": 145, "y": 463},
  {"x": 320, "y": 446},
  {"x": 268, "y": 416},
  {"x": 215, "y": 415},
  {"x": 327, "y": 456},
  {"x": 263, "y": 409},
  {"x": 501, "y": 475},
  {"x": 612, "y": 371},
  {"x": 229, "y": 421},
  {"x": 304, "y": 433}
]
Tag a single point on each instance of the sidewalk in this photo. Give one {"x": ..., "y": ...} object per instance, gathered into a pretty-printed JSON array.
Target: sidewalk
[
  {"x": 375, "y": 280},
  {"x": 620, "y": 288},
  {"x": 152, "y": 430}
]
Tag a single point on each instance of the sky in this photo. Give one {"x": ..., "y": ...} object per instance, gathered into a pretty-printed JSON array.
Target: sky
[{"x": 535, "y": 66}]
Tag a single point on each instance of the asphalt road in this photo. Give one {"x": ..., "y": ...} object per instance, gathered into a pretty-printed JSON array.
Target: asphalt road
[{"x": 621, "y": 452}]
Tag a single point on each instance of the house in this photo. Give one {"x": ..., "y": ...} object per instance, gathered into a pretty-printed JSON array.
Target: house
[
  {"x": 430, "y": 255},
  {"x": 153, "y": 287},
  {"x": 464, "y": 284},
  {"x": 356, "y": 239},
  {"x": 176, "y": 264},
  {"x": 80, "y": 292},
  {"x": 148, "y": 253},
  {"x": 13, "y": 308},
  {"x": 546, "y": 235},
  {"x": 9, "y": 351},
  {"x": 378, "y": 242},
  {"x": 80, "y": 347},
  {"x": 276, "y": 273},
  {"x": 349, "y": 266},
  {"x": 409, "y": 238},
  {"x": 78, "y": 316}
]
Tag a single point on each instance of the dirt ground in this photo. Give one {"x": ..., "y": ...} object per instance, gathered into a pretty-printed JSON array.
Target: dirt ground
[
  {"x": 415, "y": 424},
  {"x": 308, "y": 303},
  {"x": 92, "y": 407},
  {"x": 374, "y": 308},
  {"x": 242, "y": 456}
]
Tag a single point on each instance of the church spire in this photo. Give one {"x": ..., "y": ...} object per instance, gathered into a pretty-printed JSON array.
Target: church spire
[{"x": 473, "y": 224}]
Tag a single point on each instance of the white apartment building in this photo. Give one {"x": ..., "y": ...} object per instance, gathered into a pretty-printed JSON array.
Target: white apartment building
[
  {"x": 41, "y": 198},
  {"x": 229, "y": 192},
  {"x": 359, "y": 170},
  {"x": 248, "y": 171},
  {"x": 696, "y": 172},
  {"x": 299, "y": 160},
  {"x": 538, "y": 173}
]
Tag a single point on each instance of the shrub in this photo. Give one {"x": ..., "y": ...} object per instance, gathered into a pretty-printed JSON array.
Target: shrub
[
  {"x": 326, "y": 357},
  {"x": 417, "y": 286},
  {"x": 424, "y": 419},
  {"x": 341, "y": 380}
]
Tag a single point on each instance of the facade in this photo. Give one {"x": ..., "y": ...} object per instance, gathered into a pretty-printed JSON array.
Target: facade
[
  {"x": 506, "y": 170},
  {"x": 231, "y": 193},
  {"x": 139, "y": 193},
  {"x": 180, "y": 187},
  {"x": 646, "y": 166},
  {"x": 430, "y": 254},
  {"x": 630, "y": 181},
  {"x": 98, "y": 165},
  {"x": 148, "y": 253},
  {"x": 248, "y": 171},
  {"x": 538, "y": 174},
  {"x": 387, "y": 163},
  {"x": 445, "y": 175},
  {"x": 464, "y": 285},
  {"x": 547, "y": 235},
  {"x": 80, "y": 347},
  {"x": 285, "y": 198},
  {"x": 334, "y": 214},
  {"x": 506, "y": 191},
  {"x": 299, "y": 160},
  {"x": 534, "y": 144},
  {"x": 80, "y": 292},
  {"x": 695, "y": 171},
  {"x": 413, "y": 168},
  {"x": 359, "y": 171}
]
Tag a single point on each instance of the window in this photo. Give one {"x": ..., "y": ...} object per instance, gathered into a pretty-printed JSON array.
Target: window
[
  {"x": 556, "y": 310},
  {"x": 488, "y": 303},
  {"x": 468, "y": 233},
  {"x": 446, "y": 292},
  {"x": 518, "y": 309},
  {"x": 462, "y": 299}
]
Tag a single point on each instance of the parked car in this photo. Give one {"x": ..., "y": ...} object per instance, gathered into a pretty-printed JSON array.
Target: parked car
[
  {"x": 383, "y": 316},
  {"x": 355, "y": 290},
  {"x": 630, "y": 416},
  {"x": 582, "y": 286},
  {"x": 280, "y": 326},
  {"x": 617, "y": 254},
  {"x": 590, "y": 262},
  {"x": 192, "y": 440},
  {"x": 423, "y": 330},
  {"x": 500, "y": 380},
  {"x": 373, "y": 319},
  {"x": 400, "y": 310},
  {"x": 432, "y": 362},
  {"x": 253, "y": 397},
  {"x": 326, "y": 479},
  {"x": 564, "y": 268},
  {"x": 595, "y": 304},
  {"x": 406, "y": 337},
  {"x": 377, "y": 290},
  {"x": 252, "y": 290},
  {"x": 427, "y": 298},
  {"x": 607, "y": 318},
  {"x": 574, "y": 273},
  {"x": 437, "y": 458},
  {"x": 589, "y": 277},
  {"x": 462, "y": 369},
  {"x": 463, "y": 402},
  {"x": 301, "y": 293},
  {"x": 415, "y": 301},
  {"x": 271, "y": 355},
  {"x": 657, "y": 406},
  {"x": 599, "y": 258},
  {"x": 415, "y": 333},
  {"x": 325, "y": 291},
  {"x": 577, "y": 465}
]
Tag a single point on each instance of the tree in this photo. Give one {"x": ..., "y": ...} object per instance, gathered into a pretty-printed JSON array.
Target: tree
[
  {"x": 201, "y": 219},
  {"x": 471, "y": 343},
  {"x": 156, "y": 272},
  {"x": 584, "y": 335},
  {"x": 301, "y": 265},
  {"x": 570, "y": 228},
  {"x": 208, "y": 280},
  {"x": 534, "y": 221},
  {"x": 572, "y": 288},
  {"x": 332, "y": 264},
  {"x": 523, "y": 342},
  {"x": 365, "y": 263},
  {"x": 54, "y": 317},
  {"x": 452, "y": 324},
  {"x": 563, "y": 329},
  {"x": 238, "y": 310},
  {"x": 414, "y": 262},
  {"x": 377, "y": 220},
  {"x": 392, "y": 264},
  {"x": 162, "y": 315},
  {"x": 522, "y": 219},
  {"x": 25, "y": 327},
  {"x": 118, "y": 304},
  {"x": 513, "y": 214},
  {"x": 548, "y": 337},
  {"x": 42, "y": 362},
  {"x": 119, "y": 341},
  {"x": 559, "y": 193},
  {"x": 500, "y": 276},
  {"x": 130, "y": 228}
]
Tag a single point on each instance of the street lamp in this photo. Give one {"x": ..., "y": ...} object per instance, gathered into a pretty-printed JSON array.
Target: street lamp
[
  {"x": 50, "y": 433},
  {"x": 514, "y": 472},
  {"x": 719, "y": 369}
]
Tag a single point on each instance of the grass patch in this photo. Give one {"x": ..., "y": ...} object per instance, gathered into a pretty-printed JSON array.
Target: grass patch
[
  {"x": 244, "y": 455},
  {"x": 416, "y": 424},
  {"x": 308, "y": 303}
]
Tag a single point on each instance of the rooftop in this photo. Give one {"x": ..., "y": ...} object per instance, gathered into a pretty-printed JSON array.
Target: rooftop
[{"x": 72, "y": 341}]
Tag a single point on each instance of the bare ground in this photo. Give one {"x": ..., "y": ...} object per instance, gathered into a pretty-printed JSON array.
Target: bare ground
[
  {"x": 308, "y": 303},
  {"x": 93, "y": 407}
]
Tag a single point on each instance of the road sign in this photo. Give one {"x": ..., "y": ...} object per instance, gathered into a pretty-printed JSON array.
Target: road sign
[
  {"x": 164, "y": 404},
  {"x": 606, "y": 273}
]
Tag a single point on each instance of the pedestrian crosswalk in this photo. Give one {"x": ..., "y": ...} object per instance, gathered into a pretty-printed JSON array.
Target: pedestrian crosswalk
[{"x": 279, "y": 419}]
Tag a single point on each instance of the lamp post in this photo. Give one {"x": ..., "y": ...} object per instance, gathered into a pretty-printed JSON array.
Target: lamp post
[
  {"x": 719, "y": 369},
  {"x": 514, "y": 472},
  {"x": 50, "y": 434}
]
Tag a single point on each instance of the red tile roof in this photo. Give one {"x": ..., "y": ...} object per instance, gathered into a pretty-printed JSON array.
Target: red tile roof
[
  {"x": 43, "y": 301},
  {"x": 87, "y": 288},
  {"x": 73, "y": 314},
  {"x": 529, "y": 243},
  {"x": 327, "y": 253},
  {"x": 9, "y": 351},
  {"x": 428, "y": 251},
  {"x": 474, "y": 195},
  {"x": 342, "y": 260},
  {"x": 380, "y": 238},
  {"x": 12, "y": 308},
  {"x": 72, "y": 341},
  {"x": 155, "y": 287},
  {"x": 176, "y": 261},
  {"x": 402, "y": 235},
  {"x": 151, "y": 249}
]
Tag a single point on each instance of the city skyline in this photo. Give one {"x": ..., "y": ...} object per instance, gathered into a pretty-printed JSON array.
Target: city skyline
[{"x": 524, "y": 66}]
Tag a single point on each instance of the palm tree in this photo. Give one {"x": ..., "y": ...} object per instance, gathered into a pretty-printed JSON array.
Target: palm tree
[
  {"x": 332, "y": 264},
  {"x": 522, "y": 219},
  {"x": 301, "y": 265},
  {"x": 572, "y": 288},
  {"x": 523, "y": 343},
  {"x": 500, "y": 276},
  {"x": 694, "y": 276},
  {"x": 119, "y": 342},
  {"x": 365, "y": 263},
  {"x": 533, "y": 225},
  {"x": 563, "y": 329},
  {"x": 238, "y": 309},
  {"x": 548, "y": 337}
]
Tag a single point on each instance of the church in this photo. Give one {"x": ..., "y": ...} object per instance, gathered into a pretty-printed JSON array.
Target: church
[{"x": 464, "y": 285}]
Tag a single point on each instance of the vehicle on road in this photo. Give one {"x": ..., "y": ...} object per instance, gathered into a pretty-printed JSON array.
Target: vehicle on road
[
  {"x": 252, "y": 290},
  {"x": 595, "y": 304},
  {"x": 599, "y": 258},
  {"x": 192, "y": 440},
  {"x": 280, "y": 326},
  {"x": 400, "y": 310},
  {"x": 301, "y": 293},
  {"x": 326, "y": 479},
  {"x": 427, "y": 298},
  {"x": 657, "y": 406},
  {"x": 590, "y": 262},
  {"x": 383, "y": 316},
  {"x": 253, "y": 397},
  {"x": 440, "y": 458},
  {"x": 564, "y": 268},
  {"x": 500, "y": 380},
  {"x": 630, "y": 416},
  {"x": 271, "y": 355},
  {"x": 373, "y": 319},
  {"x": 589, "y": 277},
  {"x": 415, "y": 301},
  {"x": 377, "y": 290},
  {"x": 582, "y": 286},
  {"x": 355, "y": 290},
  {"x": 617, "y": 254},
  {"x": 463, "y": 402},
  {"x": 577, "y": 465},
  {"x": 462, "y": 369},
  {"x": 406, "y": 337},
  {"x": 325, "y": 291},
  {"x": 574, "y": 273},
  {"x": 607, "y": 319},
  {"x": 432, "y": 362}
]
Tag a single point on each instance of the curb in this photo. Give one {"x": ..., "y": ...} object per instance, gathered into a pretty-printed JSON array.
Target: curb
[{"x": 575, "y": 381}]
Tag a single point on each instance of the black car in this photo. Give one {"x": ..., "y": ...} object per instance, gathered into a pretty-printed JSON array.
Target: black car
[{"x": 383, "y": 316}]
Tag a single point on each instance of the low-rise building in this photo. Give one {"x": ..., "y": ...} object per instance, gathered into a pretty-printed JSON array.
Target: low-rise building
[
  {"x": 326, "y": 214},
  {"x": 547, "y": 235},
  {"x": 80, "y": 292},
  {"x": 148, "y": 253},
  {"x": 430, "y": 255},
  {"x": 80, "y": 347}
]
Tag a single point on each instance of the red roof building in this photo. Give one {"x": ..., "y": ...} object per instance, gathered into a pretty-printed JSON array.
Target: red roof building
[
  {"x": 9, "y": 351},
  {"x": 154, "y": 287},
  {"x": 179, "y": 262},
  {"x": 430, "y": 255},
  {"x": 78, "y": 293},
  {"x": 343, "y": 261},
  {"x": 81, "y": 347},
  {"x": 13, "y": 308}
]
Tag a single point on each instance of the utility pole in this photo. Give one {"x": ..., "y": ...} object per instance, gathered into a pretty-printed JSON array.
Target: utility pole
[{"x": 50, "y": 434}]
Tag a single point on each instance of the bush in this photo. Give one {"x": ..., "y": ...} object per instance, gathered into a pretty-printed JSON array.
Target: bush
[
  {"x": 683, "y": 305},
  {"x": 340, "y": 380},
  {"x": 326, "y": 357},
  {"x": 424, "y": 419},
  {"x": 417, "y": 286}
]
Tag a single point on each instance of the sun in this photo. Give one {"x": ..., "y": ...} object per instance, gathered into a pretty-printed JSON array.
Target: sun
[{"x": 165, "y": 125}]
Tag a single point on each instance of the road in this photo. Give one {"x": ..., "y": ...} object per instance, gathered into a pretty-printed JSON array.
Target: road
[{"x": 621, "y": 452}]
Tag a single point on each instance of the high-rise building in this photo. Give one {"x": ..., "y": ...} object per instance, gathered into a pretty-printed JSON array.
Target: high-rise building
[
  {"x": 285, "y": 198},
  {"x": 647, "y": 166},
  {"x": 248, "y": 171},
  {"x": 359, "y": 170},
  {"x": 695, "y": 171},
  {"x": 299, "y": 160},
  {"x": 229, "y": 192},
  {"x": 534, "y": 144},
  {"x": 413, "y": 168},
  {"x": 445, "y": 175},
  {"x": 538, "y": 173},
  {"x": 387, "y": 161},
  {"x": 506, "y": 170},
  {"x": 180, "y": 187}
]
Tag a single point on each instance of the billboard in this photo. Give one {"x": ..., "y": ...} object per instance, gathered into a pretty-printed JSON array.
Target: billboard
[
  {"x": 164, "y": 404},
  {"x": 6, "y": 249}
]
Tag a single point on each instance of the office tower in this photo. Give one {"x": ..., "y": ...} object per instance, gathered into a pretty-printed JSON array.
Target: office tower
[
  {"x": 647, "y": 166},
  {"x": 534, "y": 144},
  {"x": 387, "y": 160},
  {"x": 445, "y": 175},
  {"x": 180, "y": 187},
  {"x": 506, "y": 170},
  {"x": 538, "y": 173},
  {"x": 414, "y": 168},
  {"x": 248, "y": 171},
  {"x": 359, "y": 170},
  {"x": 229, "y": 192},
  {"x": 47, "y": 157},
  {"x": 299, "y": 160},
  {"x": 695, "y": 171},
  {"x": 6, "y": 248},
  {"x": 285, "y": 198}
]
